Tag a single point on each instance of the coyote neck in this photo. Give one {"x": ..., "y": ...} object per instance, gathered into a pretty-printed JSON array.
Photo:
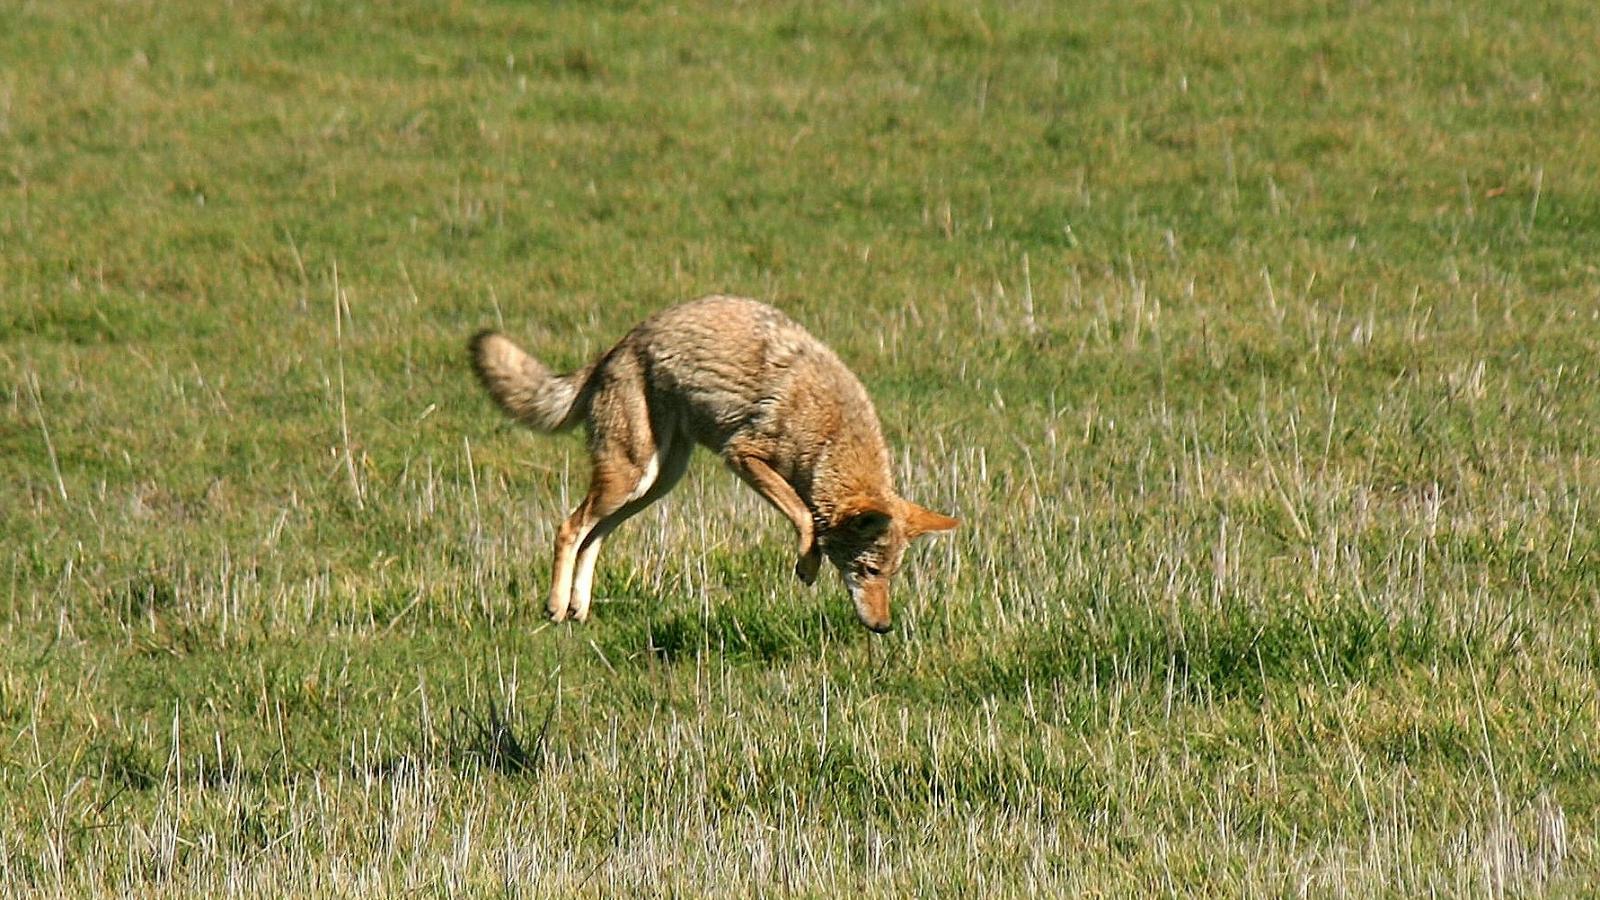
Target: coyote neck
[{"x": 854, "y": 465}]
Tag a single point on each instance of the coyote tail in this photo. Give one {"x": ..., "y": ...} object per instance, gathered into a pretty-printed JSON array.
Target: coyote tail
[{"x": 525, "y": 388}]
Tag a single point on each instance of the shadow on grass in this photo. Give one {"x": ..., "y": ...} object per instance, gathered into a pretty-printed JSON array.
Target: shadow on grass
[{"x": 747, "y": 631}]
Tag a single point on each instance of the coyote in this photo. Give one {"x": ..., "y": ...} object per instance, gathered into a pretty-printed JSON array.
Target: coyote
[{"x": 753, "y": 386}]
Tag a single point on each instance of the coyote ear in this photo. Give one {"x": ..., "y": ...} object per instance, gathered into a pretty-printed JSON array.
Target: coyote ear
[
  {"x": 920, "y": 520},
  {"x": 863, "y": 515}
]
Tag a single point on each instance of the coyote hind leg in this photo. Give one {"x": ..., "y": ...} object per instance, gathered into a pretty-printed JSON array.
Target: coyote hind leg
[
  {"x": 627, "y": 456},
  {"x": 621, "y": 455},
  {"x": 671, "y": 460},
  {"x": 609, "y": 488}
]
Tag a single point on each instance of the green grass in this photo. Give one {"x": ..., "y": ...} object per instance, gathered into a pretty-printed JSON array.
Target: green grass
[{"x": 1254, "y": 344}]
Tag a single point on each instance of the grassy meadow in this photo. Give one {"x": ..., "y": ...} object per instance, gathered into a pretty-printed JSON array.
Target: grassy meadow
[{"x": 1254, "y": 343}]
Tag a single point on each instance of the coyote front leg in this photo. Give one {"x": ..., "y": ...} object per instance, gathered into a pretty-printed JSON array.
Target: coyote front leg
[{"x": 779, "y": 493}]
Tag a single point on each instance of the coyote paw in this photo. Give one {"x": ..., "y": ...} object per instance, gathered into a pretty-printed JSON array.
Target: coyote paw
[{"x": 806, "y": 568}]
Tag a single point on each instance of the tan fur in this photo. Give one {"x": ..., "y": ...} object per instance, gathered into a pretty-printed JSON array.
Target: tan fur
[
  {"x": 744, "y": 380},
  {"x": 524, "y": 388}
]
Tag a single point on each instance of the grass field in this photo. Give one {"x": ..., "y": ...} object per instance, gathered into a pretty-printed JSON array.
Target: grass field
[{"x": 1254, "y": 343}]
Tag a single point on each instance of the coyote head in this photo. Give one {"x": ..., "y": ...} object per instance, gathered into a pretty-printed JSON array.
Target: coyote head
[{"x": 866, "y": 540}]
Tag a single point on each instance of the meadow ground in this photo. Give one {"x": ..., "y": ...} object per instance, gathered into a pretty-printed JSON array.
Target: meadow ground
[{"x": 1255, "y": 344}]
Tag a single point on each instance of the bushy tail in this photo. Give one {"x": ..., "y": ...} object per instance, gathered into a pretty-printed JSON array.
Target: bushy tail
[{"x": 523, "y": 387}]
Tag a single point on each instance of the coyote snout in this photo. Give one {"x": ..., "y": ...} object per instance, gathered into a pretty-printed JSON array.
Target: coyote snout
[
  {"x": 868, "y": 546},
  {"x": 744, "y": 380}
]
